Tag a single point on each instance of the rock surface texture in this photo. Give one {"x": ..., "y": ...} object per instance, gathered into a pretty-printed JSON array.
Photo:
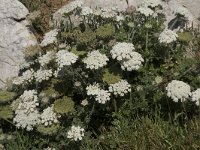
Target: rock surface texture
[{"x": 14, "y": 38}]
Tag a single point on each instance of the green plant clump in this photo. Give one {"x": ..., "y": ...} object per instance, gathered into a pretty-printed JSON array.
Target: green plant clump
[{"x": 112, "y": 81}]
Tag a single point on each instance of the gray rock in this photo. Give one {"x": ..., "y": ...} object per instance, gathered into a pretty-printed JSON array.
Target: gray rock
[
  {"x": 170, "y": 7},
  {"x": 14, "y": 38}
]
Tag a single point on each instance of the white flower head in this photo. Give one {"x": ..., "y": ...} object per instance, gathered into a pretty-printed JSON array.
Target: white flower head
[
  {"x": 48, "y": 116},
  {"x": 85, "y": 11},
  {"x": 134, "y": 63},
  {"x": 65, "y": 58},
  {"x": 26, "y": 113},
  {"x": 120, "y": 18},
  {"x": 178, "y": 90},
  {"x": 25, "y": 64},
  {"x": 97, "y": 12},
  {"x": 27, "y": 77},
  {"x": 26, "y": 121},
  {"x": 146, "y": 11},
  {"x": 102, "y": 96},
  {"x": 122, "y": 51},
  {"x": 84, "y": 102},
  {"x": 43, "y": 75},
  {"x": 49, "y": 38},
  {"x": 167, "y": 36},
  {"x": 95, "y": 60},
  {"x": 28, "y": 101},
  {"x": 45, "y": 59},
  {"x": 120, "y": 88},
  {"x": 196, "y": 96},
  {"x": 76, "y": 133},
  {"x": 93, "y": 89}
]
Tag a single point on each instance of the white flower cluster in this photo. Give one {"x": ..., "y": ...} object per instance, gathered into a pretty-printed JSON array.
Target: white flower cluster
[
  {"x": 108, "y": 13},
  {"x": 42, "y": 75},
  {"x": 76, "y": 133},
  {"x": 120, "y": 88},
  {"x": 26, "y": 114},
  {"x": 120, "y": 17},
  {"x": 97, "y": 12},
  {"x": 167, "y": 36},
  {"x": 134, "y": 63},
  {"x": 85, "y": 11},
  {"x": 27, "y": 76},
  {"x": 49, "y": 38},
  {"x": 84, "y": 102},
  {"x": 101, "y": 96},
  {"x": 178, "y": 90},
  {"x": 146, "y": 11},
  {"x": 95, "y": 60},
  {"x": 124, "y": 52},
  {"x": 152, "y": 3},
  {"x": 65, "y": 58},
  {"x": 45, "y": 59},
  {"x": 48, "y": 117},
  {"x": 196, "y": 96},
  {"x": 183, "y": 11},
  {"x": 93, "y": 89},
  {"x": 70, "y": 7},
  {"x": 25, "y": 64},
  {"x": 147, "y": 8}
]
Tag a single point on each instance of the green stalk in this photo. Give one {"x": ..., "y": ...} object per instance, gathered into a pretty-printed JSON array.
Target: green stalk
[{"x": 114, "y": 104}]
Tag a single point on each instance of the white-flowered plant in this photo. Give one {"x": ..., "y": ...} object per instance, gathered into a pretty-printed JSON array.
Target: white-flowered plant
[
  {"x": 85, "y": 11},
  {"x": 45, "y": 59},
  {"x": 43, "y": 75},
  {"x": 93, "y": 89},
  {"x": 48, "y": 116},
  {"x": 178, "y": 90},
  {"x": 26, "y": 113},
  {"x": 196, "y": 96},
  {"x": 76, "y": 133},
  {"x": 65, "y": 58},
  {"x": 120, "y": 88},
  {"x": 134, "y": 63},
  {"x": 49, "y": 38},
  {"x": 89, "y": 71},
  {"x": 167, "y": 36},
  {"x": 27, "y": 77},
  {"x": 95, "y": 60},
  {"x": 102, "y": 96},
  {"x": 122, "y": 51}
]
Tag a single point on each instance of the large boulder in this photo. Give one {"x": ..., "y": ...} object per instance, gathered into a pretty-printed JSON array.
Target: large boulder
[{"x": 14, "y": 38}]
